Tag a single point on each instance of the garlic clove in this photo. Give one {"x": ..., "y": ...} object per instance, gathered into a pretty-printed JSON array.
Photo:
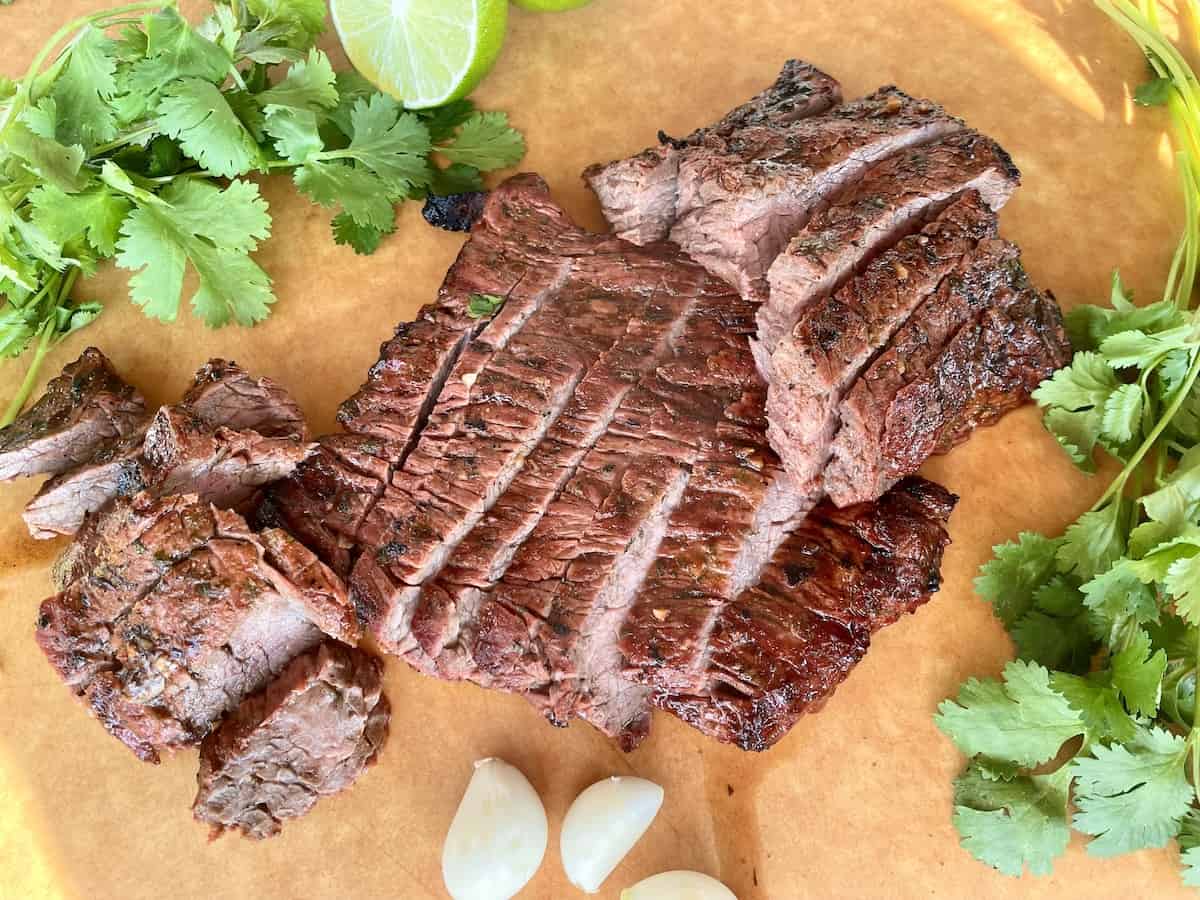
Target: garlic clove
[
  {"x": 603, "y": 824},
  {"x": 498, "y": 837},
  {"x": 678, "y": 886}
]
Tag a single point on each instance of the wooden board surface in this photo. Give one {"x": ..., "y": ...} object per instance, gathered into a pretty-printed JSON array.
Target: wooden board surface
[{"x": 856, "y": 801}]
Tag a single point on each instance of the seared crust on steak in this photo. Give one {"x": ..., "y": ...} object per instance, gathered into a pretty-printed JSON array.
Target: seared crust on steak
[{"x": 83, "y": 408}]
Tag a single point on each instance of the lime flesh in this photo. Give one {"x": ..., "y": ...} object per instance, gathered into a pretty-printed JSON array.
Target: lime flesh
[{"x": 422, "y": 52}]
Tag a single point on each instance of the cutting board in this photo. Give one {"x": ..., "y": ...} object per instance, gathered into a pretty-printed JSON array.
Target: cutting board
[{"x": 856, "y": 801}]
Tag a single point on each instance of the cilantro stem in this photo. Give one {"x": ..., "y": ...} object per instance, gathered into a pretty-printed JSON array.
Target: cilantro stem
[
  {"x": 1181, "y": 393},
  {"x": 26, "y": 388},
  {"x": 131, "y": 138}
]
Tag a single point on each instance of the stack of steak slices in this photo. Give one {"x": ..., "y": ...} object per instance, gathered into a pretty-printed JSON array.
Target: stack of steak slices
[
  {"x": 574, "y": 499},
  {"x": 175, "y": 622},
  {"x": 892, "y": 320}
]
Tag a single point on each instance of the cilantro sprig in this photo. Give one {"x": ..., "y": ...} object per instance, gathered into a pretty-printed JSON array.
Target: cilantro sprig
[
  {"x": 1095, "y": 726},
  {"x": 132, "y": 135}
]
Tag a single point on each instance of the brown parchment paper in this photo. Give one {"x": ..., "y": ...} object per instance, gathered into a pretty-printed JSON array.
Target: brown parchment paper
[{"x": 856, "y": 801}]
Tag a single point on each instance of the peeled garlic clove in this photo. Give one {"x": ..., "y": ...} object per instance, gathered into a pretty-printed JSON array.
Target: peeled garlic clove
[
  {"x": 498, "y": 837},
  {"x": 678, "y": 886},
  {"x": 603, "y": 824}
]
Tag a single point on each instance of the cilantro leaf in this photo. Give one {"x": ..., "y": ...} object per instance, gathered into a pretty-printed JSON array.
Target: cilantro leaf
[
  {"x": 196, "y": 114},
  {"x": 83, "y": 89},
  {"x": 94, "y": 216},
  {"x": 391, "y": 143},
  {"x": 1154, "y": 92},
  {"x": 1088, "y": 381},
  {"x": 363, "y": 238},
  {"x": 1022, "y": 721},
  {"x": 455, "y": 179},
  {"x": 486, "y": 141},
  {"x": 212, "y": 229},
  {"x": 1077, "y": 433},
  {"x": 1011, "y": 825},
  {"x": 1189, "y": 843},
  {"x": 1123, "y": 413},
  {"x": 443, "y": 121},
  {"x": 1017, "y": 570},
  {"x": 1097, "y": 701},
  {"x": 309, "y": 85},
  {"x": 1137, "y": 674},
  {"x": 362, "y": 195},
  {"x": 1182, "y": 582},
  {"x": 58, "y": 165},
  {"x": 1094, "y": 542},
  {"x": 1132, "y": 795},
  {"x": 300, "y": 21},
  {"x": 480, "y": 306},
  {"x": 1116, "y": 598}
]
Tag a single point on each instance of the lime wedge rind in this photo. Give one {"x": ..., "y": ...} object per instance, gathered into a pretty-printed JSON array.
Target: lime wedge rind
[{"x": 422, "y": 52}]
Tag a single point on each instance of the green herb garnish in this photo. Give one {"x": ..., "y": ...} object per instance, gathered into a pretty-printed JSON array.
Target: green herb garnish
[
  {"x": 1100, "y": 708},
  {"x": 480, "y": 306},
  {"x": 133, "y": 141}
]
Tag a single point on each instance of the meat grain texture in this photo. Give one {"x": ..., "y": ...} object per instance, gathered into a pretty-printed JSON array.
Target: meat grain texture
[{"x": 309, "y": 734}]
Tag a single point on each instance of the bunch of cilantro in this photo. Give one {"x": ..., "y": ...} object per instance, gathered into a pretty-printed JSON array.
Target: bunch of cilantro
[
  {"x": 1099, "y": 712},
  {"x": 134, "y": 140}
]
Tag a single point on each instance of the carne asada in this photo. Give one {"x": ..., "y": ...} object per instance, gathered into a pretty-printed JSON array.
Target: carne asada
[
  {"x": 192, "y": 449},
  {"x": 592, "y": 454},
  {"x": 308, "y": 734},
  {"x": 970, "y": 352},
  {"x": 82, "y": 409},
  {"x": 639, "y": 194},
  {"x": 171, "y": 611}
]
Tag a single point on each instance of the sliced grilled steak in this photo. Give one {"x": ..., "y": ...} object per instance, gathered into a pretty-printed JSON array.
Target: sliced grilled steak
[
  {"x": 569, "y": 514},
  {"x": 309, "y": 734},
  {"x": 742, "y": 198},
  {"x": 971, "y": 352},
  {"x": 785, "y": 644},
  {"x": 638, "y": 194},
  {"x": 454, "y": 212},
  {"x": 61, "y": 505},
  {"x": 83, "y": 408},
  {"x": 222, "y": 395},
  {"x": 325, "y": 501},
  {"x": 896, "y": 197},
  {"x": 225, "y": 394},
  {"x": 837, "y": 336},
  {"x": 183, "y": 454},
  {"x": 173, "y": 611}
]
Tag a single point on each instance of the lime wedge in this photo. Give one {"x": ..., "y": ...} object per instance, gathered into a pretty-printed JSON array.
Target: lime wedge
[
  {"x": 551, "y": 5},
  {"x": 422, "y": 52}
]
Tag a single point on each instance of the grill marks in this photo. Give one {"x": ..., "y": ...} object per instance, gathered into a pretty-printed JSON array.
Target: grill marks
[
  {"x": 639, "y": 194},
  {"x": 741, "y": 199},
  {"x": 593, "y": 455},
  {"x": 782, "y": 647},
  {"x": 837, "y": 337},
  {"x": 451, "y": 599},
  {"x": 896, "y": 197}
]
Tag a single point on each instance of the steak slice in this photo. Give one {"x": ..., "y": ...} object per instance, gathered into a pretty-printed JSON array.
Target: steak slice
[
  {"x": 183, "y": 454},
  {"x": 742, "y": 198},
  {"x": 172, "y": 611},
  {"x": 896, "y": 197},
  {"x": 837, "y": 337},
  {"x": 638, "y": 194},
  {"x": 63, "y": 502},
  {"x": 325, "y": 501},
  {"x": 448, "y": 602},
  {"x": 222, "y": 395},
  {"x": 225, "y": 394},
  {"x": 83, "y": 408},
  {"x": 971, "y": 352},
  {"x": 783, "y": 646},
  {"x": 309, "y": 734}
]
